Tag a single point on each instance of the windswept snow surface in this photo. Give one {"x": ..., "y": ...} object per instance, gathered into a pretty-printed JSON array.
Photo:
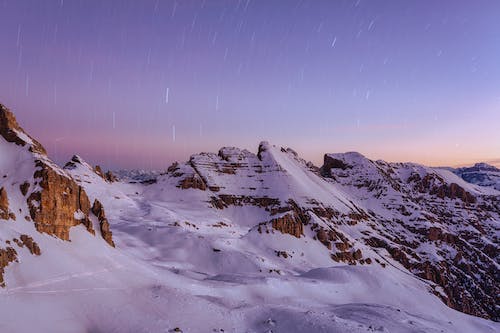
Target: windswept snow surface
[{"x": 179, "y": 263}]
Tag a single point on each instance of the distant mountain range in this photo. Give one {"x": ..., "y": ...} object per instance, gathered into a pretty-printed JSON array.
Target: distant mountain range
[
  {"x": 240, "y": 241},
  {"x": 481, "y": 174}
]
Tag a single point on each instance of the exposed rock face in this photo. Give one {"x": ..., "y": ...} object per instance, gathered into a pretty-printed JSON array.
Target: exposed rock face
[
  {"x": 58, "y": 202},
  {"x": 98, "y": 171},
  {"x": 30, "y": 244},
  {"x": 434, "y": 233},
  {"x": 107, "y": 176},
  {"x": 78, "y": 161},
  {"x": 4, "y": 204},
  {"x": 106, "y": 233},
  {"x": 7, "y": 256},
  {"x": 110, "y": 177},
  {"x": 193, "y": 181},
  {"x": 12, "y": 132},
  {"x": 435, "y": 185},
  {"x": 75, "y": 159},
  {"x": 60, "y": 205},
  {"x": 330, "y": 163},
  {"x": 24, "y": 187},
  {"x": 289, "y": 223},
  {"x": 225, "y": 200}
]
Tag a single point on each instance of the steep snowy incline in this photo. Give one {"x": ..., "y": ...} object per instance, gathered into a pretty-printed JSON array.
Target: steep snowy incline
[{"x": 432, "y": 222}]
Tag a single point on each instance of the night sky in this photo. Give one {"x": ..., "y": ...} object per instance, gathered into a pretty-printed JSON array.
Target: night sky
[{"x": 139, "y": 84}]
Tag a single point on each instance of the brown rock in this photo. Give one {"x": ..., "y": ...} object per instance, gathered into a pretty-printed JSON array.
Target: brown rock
[
  {"x": 357, "y": 254},
  {"x": 225, "y": 200},
  {"x": 7, "y": 256},
  {"x": 24, "y": 187},
  {"x": 288, "y": 224},
  {"x": 30, "y": 244},
  {"x": 193, "y": 181},
  {"x": 434, "y": 233},
  {"x": 330, "y": 163},
  {"x": 98, "y": 171},
  {"x": 436, "y": 185},
  {"x": 343, "y": 256},
  {"x": 110, "y": 177},
  {"x": 341, "y": 246},
  {"x": 491, "y": 251},
  {"x": 9, "y": 129},
  {"x": 322, "y": 236},
  {"x": 106, "y": 233},
  {"x": 4, "y": 204},
  {"x": 54, "y": 208}
]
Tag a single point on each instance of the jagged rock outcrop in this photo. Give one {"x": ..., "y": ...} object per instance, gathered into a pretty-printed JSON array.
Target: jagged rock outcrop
[
  {"x": 106, "y": 233},
  {"x": 12, "y": 132},
  {"x": 24, "y": 187},
  {"x": 71, "y": 164},
  {"x": 436, "y": 185},
  {"x": 78, "y": 161},
  {"x": 55, "y": 201},
  {"x": 289, "y": 223},
  {"x": 98, "y": 171},
  {"x": 193, "y": 181},
  {"x": 7, "y": 255},
  {"x": 225, "y": 200},
  {"x": 60, "y": 205},
  {"x": 107, "y": 176},
  {"x": 330, "y": 163},
  {"x": 110, "y": 176},
  {"x": 30, "y": 244}
]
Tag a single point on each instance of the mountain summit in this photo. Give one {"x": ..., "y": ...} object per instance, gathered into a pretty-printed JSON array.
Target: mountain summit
[{"x": 481, "y": 174}]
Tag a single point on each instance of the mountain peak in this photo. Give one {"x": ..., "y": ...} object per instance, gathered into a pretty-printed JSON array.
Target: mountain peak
[
  {"x": 12, "y": 132},
  {"x": 50, "y": 198},
  {"x": 485, "y": 166}
]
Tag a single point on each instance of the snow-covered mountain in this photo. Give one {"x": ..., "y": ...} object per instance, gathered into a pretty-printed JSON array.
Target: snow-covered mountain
[
  {"x": 481, "y": 174},
  {"x": 245, "y": 242},
  {"x": 137, "y": 176}
]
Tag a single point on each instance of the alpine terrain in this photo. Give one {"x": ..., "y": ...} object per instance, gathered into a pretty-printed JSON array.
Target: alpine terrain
[{"x": 240, "y": 241}]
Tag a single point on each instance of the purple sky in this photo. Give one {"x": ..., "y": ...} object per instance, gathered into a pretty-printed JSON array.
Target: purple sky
[{"x": 143, "y": 83}]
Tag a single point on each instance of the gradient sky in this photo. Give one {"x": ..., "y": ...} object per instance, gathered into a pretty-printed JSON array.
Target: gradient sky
[{"x": 139, "y": 84}]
